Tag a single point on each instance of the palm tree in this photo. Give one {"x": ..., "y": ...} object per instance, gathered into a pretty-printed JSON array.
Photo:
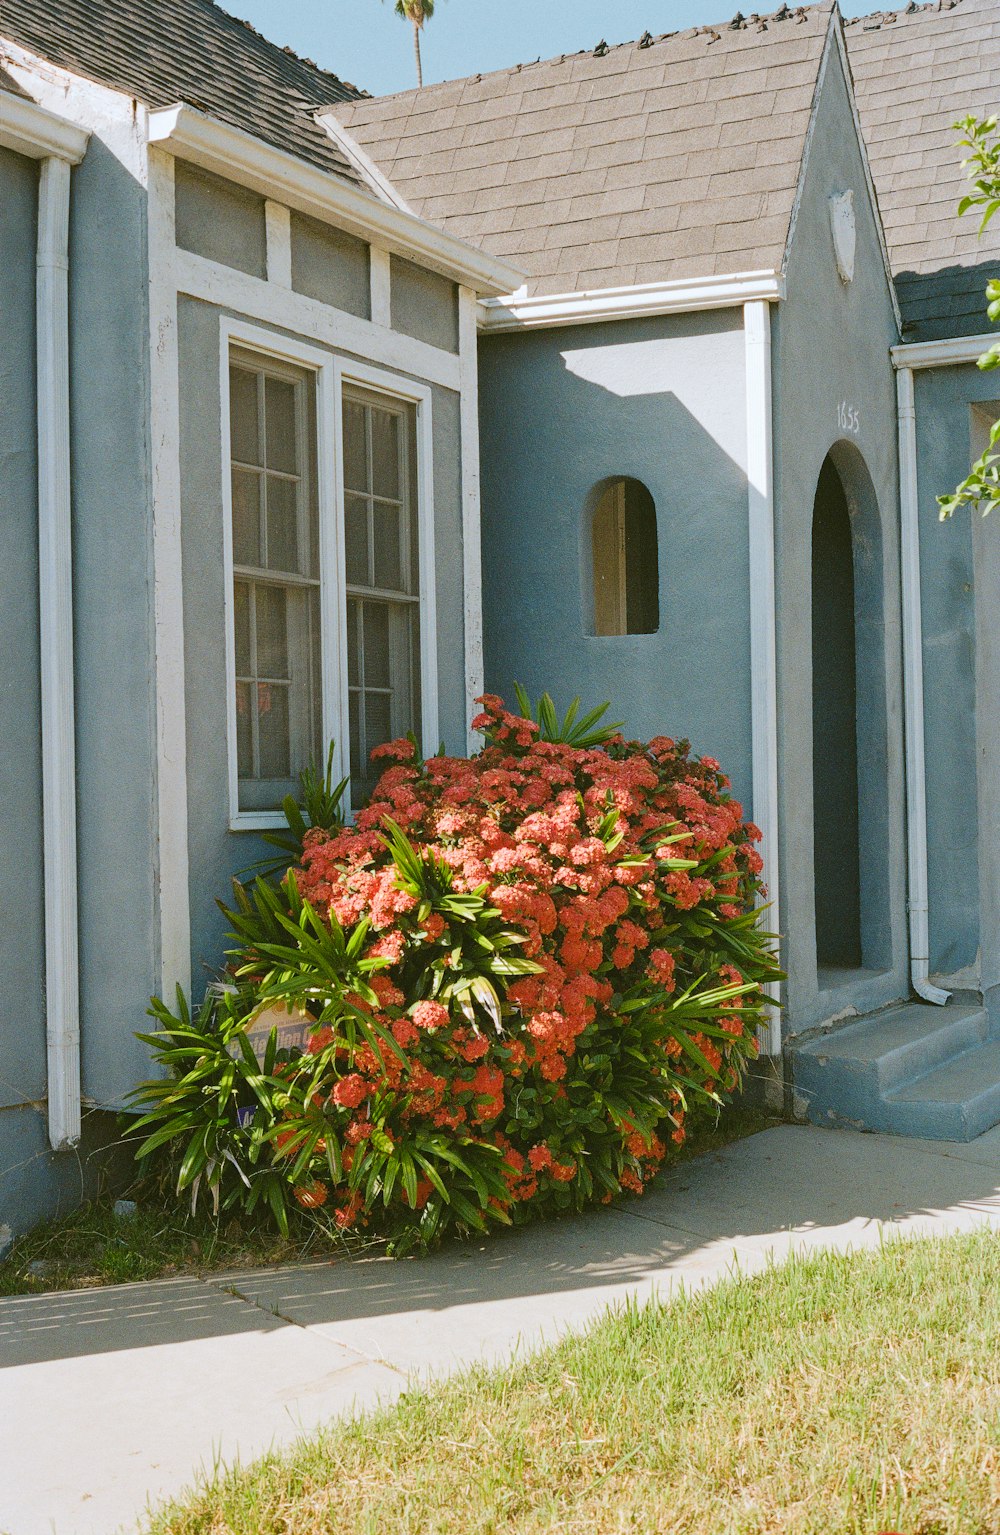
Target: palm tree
[{"x": 416, "y": 12}]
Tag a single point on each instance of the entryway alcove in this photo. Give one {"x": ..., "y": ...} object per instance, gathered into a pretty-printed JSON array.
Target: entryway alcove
[{"x": 850, "y": 792}]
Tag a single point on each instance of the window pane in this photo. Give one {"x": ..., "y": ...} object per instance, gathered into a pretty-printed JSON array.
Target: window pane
[
  {"x": 244, "y": 731},
  {"x": 378, "y": 723},
  {"x": 279, "y": 425},
  {"x": 376, "y": 644},
  {"x": 388, "y": 555},
  {"x": 272, "y": 632},
  {"x": 356, "y": 540},
  {"x": 353, "y": 621},
  {"x": 355, "y": 449},
  {"x": 282, "y": 524},
  {"x": 385, "y": 454},
  {"x": 246, "y": 517},
  {"x": 387, "y": 547},
  {"x": 241, "y": 604},
  {"x": 244, "y": 443},
  {"x": 272, "y": 712}
]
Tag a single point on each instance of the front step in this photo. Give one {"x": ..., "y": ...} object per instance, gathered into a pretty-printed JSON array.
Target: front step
[{"x": 914, "y": 1069}]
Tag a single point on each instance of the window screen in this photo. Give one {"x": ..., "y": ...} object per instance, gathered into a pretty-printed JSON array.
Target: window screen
[
  {"x": 383, "y": 600},
  {"x": 276, "y": 575},
  {"x": 625, "y": 560}
]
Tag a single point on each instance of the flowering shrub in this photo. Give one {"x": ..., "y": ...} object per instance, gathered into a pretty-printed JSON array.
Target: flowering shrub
[{"x": 521, "y": 973}]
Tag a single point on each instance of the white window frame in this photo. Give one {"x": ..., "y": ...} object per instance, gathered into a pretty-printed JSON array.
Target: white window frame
[{"x": 331, "y": 372}]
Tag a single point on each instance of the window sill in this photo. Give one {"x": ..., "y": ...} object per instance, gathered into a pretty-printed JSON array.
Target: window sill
[{"x": 258, "y": 820}]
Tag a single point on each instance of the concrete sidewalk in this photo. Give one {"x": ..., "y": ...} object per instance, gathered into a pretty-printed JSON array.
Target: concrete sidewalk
[{"x": 112, "y": 1397}]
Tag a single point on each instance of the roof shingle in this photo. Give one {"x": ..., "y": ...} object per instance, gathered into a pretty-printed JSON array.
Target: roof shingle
[
  {"x": 165, "y": 51},
  {"x": 614, "y": 168}
]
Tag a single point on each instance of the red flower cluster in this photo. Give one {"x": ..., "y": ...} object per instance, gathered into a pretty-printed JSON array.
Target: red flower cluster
[{"x": 619, "y": 868}]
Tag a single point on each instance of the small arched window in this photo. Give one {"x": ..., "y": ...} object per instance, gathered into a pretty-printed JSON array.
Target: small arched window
[{"x": 625, "y": 560}]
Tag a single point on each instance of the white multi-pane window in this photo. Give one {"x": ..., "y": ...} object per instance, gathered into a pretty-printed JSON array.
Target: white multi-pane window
[
  {"x": 276, "y": 577},
  {"x": 330, "y": 630},
  {"x": 382, "y": 570}
]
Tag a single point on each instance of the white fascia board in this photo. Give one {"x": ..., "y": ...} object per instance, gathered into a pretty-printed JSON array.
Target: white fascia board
[
  {"x": 215, "y": 146},
  {"x": 685, "y": 296},
  {"x": 31, "y": 130},
  {"x": 362, "y": 162},
  {"x": 942, "y": 354}
]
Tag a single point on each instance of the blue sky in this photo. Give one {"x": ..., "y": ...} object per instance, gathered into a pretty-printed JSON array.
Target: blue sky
[{"x": 364, "y": 42}]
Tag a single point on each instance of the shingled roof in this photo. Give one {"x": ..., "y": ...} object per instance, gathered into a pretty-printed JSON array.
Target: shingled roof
[
  {"x": 916, "y": 72},
  {"x": 673, "y": 157},
  {"x": 165, "y": 51}
]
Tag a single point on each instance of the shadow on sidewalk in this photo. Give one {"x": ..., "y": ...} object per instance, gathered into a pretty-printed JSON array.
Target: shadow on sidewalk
[{"x": 788, "y": 1186}]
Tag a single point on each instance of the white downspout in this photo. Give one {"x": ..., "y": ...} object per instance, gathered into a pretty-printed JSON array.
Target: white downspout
[
  {"x": 913, "y": 694},
  {"x": 55, "y": 572},
  {"x": 763, "y": 642}
]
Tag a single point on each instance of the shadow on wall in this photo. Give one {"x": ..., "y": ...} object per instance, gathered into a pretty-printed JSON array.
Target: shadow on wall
[{"x": 543, "y": 471}]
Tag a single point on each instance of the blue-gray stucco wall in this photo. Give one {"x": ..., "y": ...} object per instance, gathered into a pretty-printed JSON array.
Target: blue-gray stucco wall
[
  {"x": 960, "y": 728},
  {"x": 113, "y": 674},
  {"x": 113, "y": 631},
  {"x": 22, "y": 959},
  {"x": 216, "y": 853},
  {"x": 661, "y": 400},
  {"x": 831, "y": 343}
]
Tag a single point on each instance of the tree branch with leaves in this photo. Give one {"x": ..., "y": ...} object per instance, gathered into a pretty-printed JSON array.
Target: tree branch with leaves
[{"x": 981, "y": 487}]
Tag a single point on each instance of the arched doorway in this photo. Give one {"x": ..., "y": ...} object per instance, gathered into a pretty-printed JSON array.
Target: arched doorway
[{"x": 836, "y": 785}]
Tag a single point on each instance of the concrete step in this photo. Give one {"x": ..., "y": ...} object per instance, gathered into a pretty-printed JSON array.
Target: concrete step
[
  {"x": 854, "y": 1074},
  {"x": 955, "y": 1102}
]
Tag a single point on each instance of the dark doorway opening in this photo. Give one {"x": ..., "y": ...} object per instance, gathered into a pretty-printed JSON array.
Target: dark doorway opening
[{"x": 837, "y": 861}]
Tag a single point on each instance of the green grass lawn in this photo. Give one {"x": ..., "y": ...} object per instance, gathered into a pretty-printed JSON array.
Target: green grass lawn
[{"x": 834, "y": 1394}]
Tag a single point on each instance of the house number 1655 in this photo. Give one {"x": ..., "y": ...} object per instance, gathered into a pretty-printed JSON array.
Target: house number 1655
[{"x": 847, "y": 417}]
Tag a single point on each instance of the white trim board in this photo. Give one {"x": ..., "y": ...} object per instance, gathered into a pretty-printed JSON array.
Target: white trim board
[
  {"x": 684, "y": 296},
  {"x": 472, "y": 552},
  {"x": 55, "y": 628},
  {"x": 942, "y": 354},
  {"x": 172, "y": 873},
  {"x": 31, "y": 130},
  {"x": 362, "y": 162},
  {"x": 197, "y": 277},
  {"x": 331, "y": 372},
  {"x": 763, "y": 639},
  {"x": 238, "y": 156}
]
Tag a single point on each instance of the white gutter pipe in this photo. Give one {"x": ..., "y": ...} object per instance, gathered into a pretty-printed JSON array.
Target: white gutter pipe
[
  {"x": 55, "y": 572},
  {"x": 763, "y": 641},
  {"x": 913, "y": 695}
]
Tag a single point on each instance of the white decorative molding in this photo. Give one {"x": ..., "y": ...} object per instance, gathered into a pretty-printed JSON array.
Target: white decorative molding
[
  {"x": 172, "y": 874},
  {"x": 472, "y": 551},
  {"x": 229, "y": 152},
  {"x": 33, "y": 131},
  {"x": 361, "y": 160},
  {"x": 278, "y": 235},
  {"x": 763, "y": 642},
  {"x": 685, "y": 296},
  {"x": 313, "y": 321},
  {"x": 941, "y": 354},
  {"x": 380, "y": 277},
  {"x": 843, "y": 227},
  {"x": 55, "y": 589}
]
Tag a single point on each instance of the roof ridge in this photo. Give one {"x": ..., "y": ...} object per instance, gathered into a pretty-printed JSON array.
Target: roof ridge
[
  {"x": 273, "y": 47},
  {"x": 756, "y": 21}
]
